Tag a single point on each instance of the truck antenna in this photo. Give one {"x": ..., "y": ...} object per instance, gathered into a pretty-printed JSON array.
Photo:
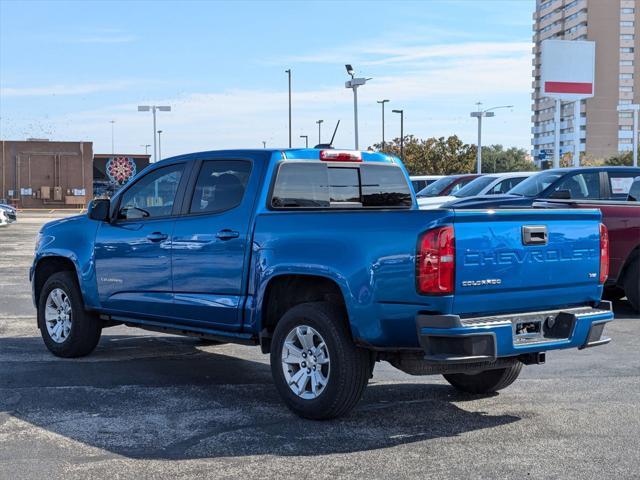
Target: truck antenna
[{"x": 330, "y": 144}]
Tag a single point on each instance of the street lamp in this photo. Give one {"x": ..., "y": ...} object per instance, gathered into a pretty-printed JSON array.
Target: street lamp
[
  {"x": 634, "y": 107},
  {"x": 319, "y": 122},
  {"x": 382, "y": 102},
  {"x": 113, "y": 150},
  {"x": 288, "y": 72},
  {"x": 401, "y": 112},
  {"x": 480, "y": 114},
  {"x": 353, "y": 84},
  {"x": 159, "y": 145},
  {"x": 153, "y": 109},
  {"x": 306, "y": 140},
  {"x": 146, "y": 148},
  {"x": 264, "y": 144}
]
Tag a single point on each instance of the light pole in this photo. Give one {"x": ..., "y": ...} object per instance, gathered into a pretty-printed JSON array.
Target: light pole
[
  {"x": 319, "y": 122},
  {"x": 113, "y": 149},
  {"x": 146, "y": 148},
  {"x": 382, "y": 102},
  {"x": 289, "y": 75},
  {"x": 401, "y": 112},
  {"x": 306, "y": 140},
  {"x": 353, "y": 84},
  {"x": 480, "y": 114},
  {"x": 159, "y": 145},
  {"x": 153, "y": 109},
  {"x": 264, "y": 144},
  {"x": 634, "y": 107}
]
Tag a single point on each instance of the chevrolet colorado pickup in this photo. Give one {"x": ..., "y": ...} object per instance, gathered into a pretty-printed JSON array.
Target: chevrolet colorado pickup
[{"x": 323, "y": 259}]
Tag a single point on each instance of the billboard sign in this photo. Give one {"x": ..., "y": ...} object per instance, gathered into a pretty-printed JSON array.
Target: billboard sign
[{"x": 568, "y": 69}]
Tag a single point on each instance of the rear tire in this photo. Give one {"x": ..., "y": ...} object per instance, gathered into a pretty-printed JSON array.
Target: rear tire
[
  {"x": 68, "y": 330},
  {"x": 488, "y": 381},
  {"x": 632, "y": 284},
  {"x": 342, "y": 368}
]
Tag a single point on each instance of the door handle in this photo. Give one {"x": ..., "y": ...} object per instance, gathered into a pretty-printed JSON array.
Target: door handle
[
  {"x": 157, "y": 236},
  {"x": 535, "y": 235},
  {"x": 227, "y": 234}
]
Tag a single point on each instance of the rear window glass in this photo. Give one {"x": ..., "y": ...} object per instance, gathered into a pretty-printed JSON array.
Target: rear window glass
[
  {"x": 436, "y": 187},
  {"x": 319, "y": 185}
]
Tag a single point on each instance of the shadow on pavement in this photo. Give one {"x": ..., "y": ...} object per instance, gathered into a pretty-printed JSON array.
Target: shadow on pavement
[{"x": 164, "y": 398}]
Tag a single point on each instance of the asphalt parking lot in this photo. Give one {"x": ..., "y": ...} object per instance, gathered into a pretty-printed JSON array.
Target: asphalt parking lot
[{"x": 158, "y": 406}]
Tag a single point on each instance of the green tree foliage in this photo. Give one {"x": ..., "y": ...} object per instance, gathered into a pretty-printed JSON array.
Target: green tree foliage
[
  {"x": 496, "y": 159},
  {"x": 620, "y": 160},
  {"x": 433, "y": 156}
]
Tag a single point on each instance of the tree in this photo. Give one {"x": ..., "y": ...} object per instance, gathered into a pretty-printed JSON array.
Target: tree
[
  {"x": 620, "y": 160},
  {"x": 433, "y": 156},
  {"x": 496, "y": 159}
]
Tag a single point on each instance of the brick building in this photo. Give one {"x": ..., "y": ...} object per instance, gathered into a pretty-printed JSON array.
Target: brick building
[{"x": 42, "y": 174}]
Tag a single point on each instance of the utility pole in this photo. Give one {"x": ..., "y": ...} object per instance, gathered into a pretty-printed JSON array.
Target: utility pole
[
  {"x": 159, "y": 145},
  {"x": 319, "y": 122},
  {"x": 113, "y": 149},
  {"x": 401, "y": 112},
  {"x": 382, "y": 102},
  {"x": 289, "y": 75}
]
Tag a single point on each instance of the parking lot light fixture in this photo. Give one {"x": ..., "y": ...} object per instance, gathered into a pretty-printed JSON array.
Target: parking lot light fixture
[
  {"x": 480, "y": 114},
  {"x": 306, "y": 140},
  {"x": 353, "y": 84},
  {"x": 154, "y": 109}
]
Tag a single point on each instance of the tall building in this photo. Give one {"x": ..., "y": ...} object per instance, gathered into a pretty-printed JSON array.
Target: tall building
[{"x": 611, "y": 24}]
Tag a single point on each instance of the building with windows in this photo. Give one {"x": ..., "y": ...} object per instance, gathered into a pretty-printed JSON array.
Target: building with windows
[{"x": 612, "y": 25}]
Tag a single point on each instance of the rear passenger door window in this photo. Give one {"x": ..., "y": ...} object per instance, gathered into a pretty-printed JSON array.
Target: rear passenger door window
[
  {"x": 220, "y": 186},
  {"x": 581, "y": 185},
  {"x": 620, "y": 184}
]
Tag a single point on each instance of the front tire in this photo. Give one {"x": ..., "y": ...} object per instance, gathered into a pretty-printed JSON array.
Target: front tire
[
  {"x": 67, "y": 329},
  {"x": 488, "y": 381},
  {"x": 317, "y": 369},
  {"x": 632, "y": 284}
]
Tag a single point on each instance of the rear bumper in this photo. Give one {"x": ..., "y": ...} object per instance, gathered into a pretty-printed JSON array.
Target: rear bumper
[{"x": 450, "y": 339}]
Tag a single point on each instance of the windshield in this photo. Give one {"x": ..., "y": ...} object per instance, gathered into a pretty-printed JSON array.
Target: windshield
[
  {"x": 436, "y": 187},
  {"x": 474, "y": 187},
  {"x": 533, "y": 186}
]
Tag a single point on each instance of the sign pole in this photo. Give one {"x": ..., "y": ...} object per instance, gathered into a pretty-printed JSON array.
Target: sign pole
[
  {"x": 576, "y": 133},
  {"x": 557, "y": 120},
  {"x": 635, "y": 137}
]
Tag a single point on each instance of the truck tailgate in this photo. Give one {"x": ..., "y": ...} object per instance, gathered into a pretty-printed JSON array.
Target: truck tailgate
[{"x": 523, "y": 260}]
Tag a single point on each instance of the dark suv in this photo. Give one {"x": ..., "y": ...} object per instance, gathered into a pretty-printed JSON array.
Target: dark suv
[{"x": 581, "y": 183}]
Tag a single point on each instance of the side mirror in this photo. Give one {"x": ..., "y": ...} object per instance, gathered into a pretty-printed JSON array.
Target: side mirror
[
  {"x": 99, "y": 209},
  {"x": 561, "y": 195}
]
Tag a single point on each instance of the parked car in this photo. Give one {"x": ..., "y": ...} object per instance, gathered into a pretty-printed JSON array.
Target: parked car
[
  {"x": 447, "y": 185},
  {"x": 493, "y": 184},
  {"x": 418, "y": 182},
  {"x": 622, "y": 218},
  {"x": 590, "y": 183},
  {"x": 7, "y": 214},
  {"x": 322, "y": 258}
]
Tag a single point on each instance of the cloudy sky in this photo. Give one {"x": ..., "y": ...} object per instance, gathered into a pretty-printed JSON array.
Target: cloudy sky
[{"x": 68, "y": 68}]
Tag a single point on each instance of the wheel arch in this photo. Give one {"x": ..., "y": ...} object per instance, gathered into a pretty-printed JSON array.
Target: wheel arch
[
  {"x": 47, "y": 266},
  {"x": 633, "y": 255},
  {"x": 287, "y": 290}
]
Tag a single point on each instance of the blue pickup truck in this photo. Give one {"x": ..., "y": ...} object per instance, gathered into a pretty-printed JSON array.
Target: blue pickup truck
[{"x": 323, "y": 259}]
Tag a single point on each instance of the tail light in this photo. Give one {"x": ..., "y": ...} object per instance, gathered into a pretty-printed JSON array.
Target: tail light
[
  {"x": 436, "y": 261},
  {"x": 340, "y": 156},
  {"x": 604, "y": 253}
]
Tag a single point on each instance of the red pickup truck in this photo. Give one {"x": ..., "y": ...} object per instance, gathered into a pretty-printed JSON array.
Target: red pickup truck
[{"x": 622, "y": 219}]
